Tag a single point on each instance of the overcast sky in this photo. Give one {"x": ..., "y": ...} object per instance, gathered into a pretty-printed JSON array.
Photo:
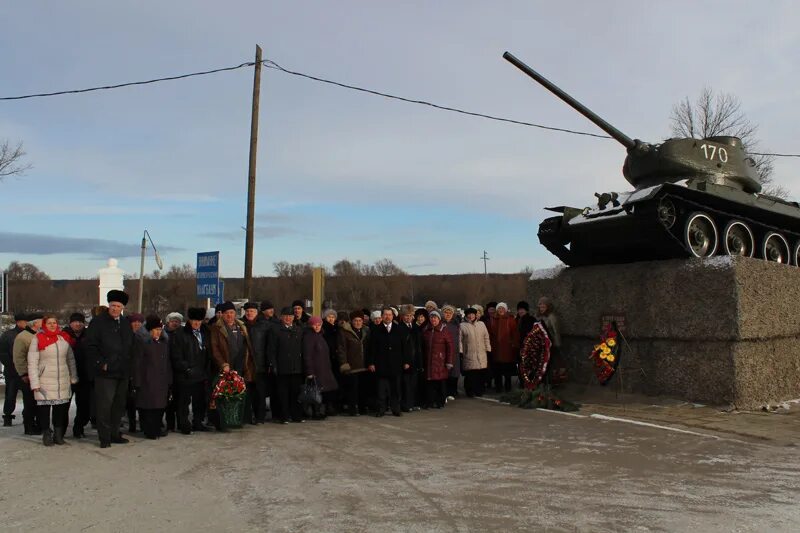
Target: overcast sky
[{"x": 346, "y": 174}]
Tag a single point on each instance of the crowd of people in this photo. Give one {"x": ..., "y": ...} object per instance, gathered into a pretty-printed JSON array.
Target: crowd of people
[{"x": 161, "y": 373}]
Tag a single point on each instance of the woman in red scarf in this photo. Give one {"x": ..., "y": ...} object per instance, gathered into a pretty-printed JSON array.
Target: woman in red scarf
[{"x": 52, "y": 371}]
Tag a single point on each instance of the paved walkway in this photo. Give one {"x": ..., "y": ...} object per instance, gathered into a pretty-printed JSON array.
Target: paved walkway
[{"x": 473, "y": 466}]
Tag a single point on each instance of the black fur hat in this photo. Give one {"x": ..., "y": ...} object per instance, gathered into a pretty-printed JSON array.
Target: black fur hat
[
  {"x": 117, "y": 296},
  {"x": 196, "y": 313}
]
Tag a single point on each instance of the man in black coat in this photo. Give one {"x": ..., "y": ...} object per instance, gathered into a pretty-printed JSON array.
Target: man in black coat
[
  {"x": 10, "y": 373},
  {"x": 285, "y": 354},
  {"x": 188, "y": 350},
  {"x": 83, "y": 388},
  {"x": 109, "y": 347},
  {"x": 268, "y": 313},
  {"x": 411, "y": 376},
  {"x": 259, "y": 329},
  {"x": 388, "y": 357}
]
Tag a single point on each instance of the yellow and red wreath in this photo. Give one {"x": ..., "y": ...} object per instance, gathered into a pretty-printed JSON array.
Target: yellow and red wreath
[{"x": 606, "y": 354}]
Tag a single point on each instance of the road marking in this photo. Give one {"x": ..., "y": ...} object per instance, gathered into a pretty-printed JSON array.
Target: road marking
[
  {"x": 656, "y": 426},
  {"x": 488, "y": 399},
  {"x": 576, "y": 415}
]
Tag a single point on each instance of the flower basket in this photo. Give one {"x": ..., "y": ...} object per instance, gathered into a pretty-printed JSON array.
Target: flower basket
[
  {"x": 231, "y": 411},
  {"x": 228, "y": 386}
]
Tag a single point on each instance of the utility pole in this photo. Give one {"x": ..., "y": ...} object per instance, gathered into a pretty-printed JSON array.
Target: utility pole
[
  {"x": 251, "y": 179},
  {"x": 485, "y": 258},
  {"x": 141, "y": 274}
]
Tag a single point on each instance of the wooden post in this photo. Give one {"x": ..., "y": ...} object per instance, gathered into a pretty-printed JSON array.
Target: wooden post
[
  {"x": 318, "y": 291},
  {"x": 251, "y": 179}
]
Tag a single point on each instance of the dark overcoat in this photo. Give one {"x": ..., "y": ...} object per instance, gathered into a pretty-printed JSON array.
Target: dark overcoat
[
  {"x": 109, "y": 344},
  {"x": 317, "y": 360},
  {"x": 190, "y": 362},
  {"x": 285, "y": 350},
  {"x": 388, "y": 350},
  {"x": 152, "y": 377}
]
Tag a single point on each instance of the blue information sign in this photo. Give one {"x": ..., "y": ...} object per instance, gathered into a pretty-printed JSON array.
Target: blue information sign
[
  {"x": 220, "y": 293},
  {"x": 208, "y": 275}
]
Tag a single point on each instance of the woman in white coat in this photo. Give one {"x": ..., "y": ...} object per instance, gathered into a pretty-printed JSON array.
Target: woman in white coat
[
  {"x": 473, "y": 344},
  {"x": 52, "y": 371}
]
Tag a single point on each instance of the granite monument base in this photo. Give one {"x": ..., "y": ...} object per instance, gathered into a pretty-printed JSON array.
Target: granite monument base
[{"x": 722, "y": 331}]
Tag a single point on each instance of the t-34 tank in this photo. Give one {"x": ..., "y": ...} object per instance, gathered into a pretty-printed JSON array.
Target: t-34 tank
[{"x": 691, "y": 198}]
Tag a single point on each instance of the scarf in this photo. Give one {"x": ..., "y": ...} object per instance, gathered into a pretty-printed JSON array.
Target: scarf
[{"x": 45, "y": 338}]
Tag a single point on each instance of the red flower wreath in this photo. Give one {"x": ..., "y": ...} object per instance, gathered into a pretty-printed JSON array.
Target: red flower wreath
[{"x": 534, "y": 357}]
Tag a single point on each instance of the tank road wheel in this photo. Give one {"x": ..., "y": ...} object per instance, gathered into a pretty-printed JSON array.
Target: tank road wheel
[
  {"x": 700, "y": 235},
  {"x": 776, "y": 248},
  {"x": 739, "y": 239},
  {"x": 667, "y": 213},
  {"x": 796, "y": 255}
]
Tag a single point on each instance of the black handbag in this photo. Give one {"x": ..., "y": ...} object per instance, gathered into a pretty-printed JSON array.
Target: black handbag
[{"x": 310, "y": 393}]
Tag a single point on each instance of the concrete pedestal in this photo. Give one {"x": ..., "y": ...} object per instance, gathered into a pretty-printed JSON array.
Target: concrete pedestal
[{"x": 722, "y": 331}]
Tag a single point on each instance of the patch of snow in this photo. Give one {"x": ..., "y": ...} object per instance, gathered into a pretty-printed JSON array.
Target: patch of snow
[
  {"x": 641, "y": 194},
  {"x": 547, "y": 273}
]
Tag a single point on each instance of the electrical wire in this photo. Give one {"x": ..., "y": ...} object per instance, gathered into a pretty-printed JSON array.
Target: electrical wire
[
  {"x": 129, "y": 84},
  {"x": 273, "y": 65}
]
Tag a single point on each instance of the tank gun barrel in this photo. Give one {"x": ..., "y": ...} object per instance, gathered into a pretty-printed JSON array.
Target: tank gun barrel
[{"x": 623, "y": 139}]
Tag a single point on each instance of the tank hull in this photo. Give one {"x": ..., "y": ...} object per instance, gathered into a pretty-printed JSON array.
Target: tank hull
[{"x": 676, "y": 221}]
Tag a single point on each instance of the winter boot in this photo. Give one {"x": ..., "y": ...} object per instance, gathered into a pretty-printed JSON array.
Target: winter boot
[
  {"x": 31, "y": 429},
  {"x": 77, "y": 431},
  {"x": 58, "y": 435},
  {"x": 7, "y": 420},
  {"x": 47, "y": 437}
]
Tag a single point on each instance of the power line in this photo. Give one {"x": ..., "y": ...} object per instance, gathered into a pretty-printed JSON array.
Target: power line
[
  {"x": 129, "y": 84},
  {"x": 273, "y": 65}
]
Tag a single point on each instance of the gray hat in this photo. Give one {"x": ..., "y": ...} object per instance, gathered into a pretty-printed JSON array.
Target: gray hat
[{"x": 436, "y": 314}]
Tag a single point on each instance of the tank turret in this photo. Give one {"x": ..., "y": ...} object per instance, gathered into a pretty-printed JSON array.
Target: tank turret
[
  {"x": 691, "y": 198},
  {"x": 719, "y": 160}
]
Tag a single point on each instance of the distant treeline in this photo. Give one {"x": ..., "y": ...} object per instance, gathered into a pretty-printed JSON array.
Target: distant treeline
[{"x": 346, "y": 291}]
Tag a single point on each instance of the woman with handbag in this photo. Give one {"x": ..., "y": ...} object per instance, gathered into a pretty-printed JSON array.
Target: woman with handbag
[
  {"x": 317, "y": 365},
  {"x": 52, "y": 371}
]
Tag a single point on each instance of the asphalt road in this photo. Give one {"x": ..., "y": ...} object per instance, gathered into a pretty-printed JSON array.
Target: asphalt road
[{"x": 474, "y": 466}]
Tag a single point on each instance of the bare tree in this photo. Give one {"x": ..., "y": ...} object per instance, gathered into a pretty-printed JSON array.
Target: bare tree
[
  {"x": 184, "y": 271},
  {"x": 11, "y": 160},
  {"x": 386, "y": 267},
  {"x": 25, "y": 272},
  {"x": 284, "y": 269},
  {"x": 715, "y": 114}
]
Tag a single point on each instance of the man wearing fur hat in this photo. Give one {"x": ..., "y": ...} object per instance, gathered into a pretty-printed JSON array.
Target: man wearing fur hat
[
  {"x": 231, "y": 350},
  {"x": 9, "y": 371},
  {"x": 258, "y": 328},
  {"x": 83, "y": 389},
  {"x": 300, "y": 315},
  {"x": 189, "y": 352},
  {"x": 285, "y": 354},
  {"x": 109, "y": 350}
]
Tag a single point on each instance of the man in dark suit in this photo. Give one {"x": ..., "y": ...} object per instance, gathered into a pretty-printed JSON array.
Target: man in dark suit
[{"x": 388, "y": 357}]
